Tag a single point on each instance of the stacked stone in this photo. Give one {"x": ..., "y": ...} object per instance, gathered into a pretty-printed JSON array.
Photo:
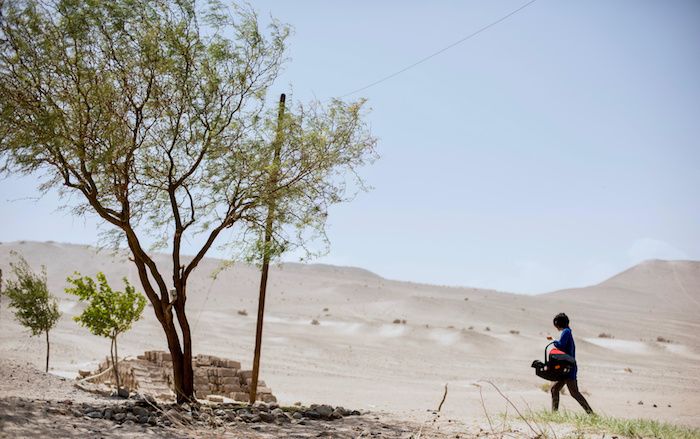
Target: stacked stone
[
  {"x": 162, "y": 359},
  {"x": 219, "y": 376},
  {"x": 263, "y": 392},
  {"x": 213, "y": 376}
]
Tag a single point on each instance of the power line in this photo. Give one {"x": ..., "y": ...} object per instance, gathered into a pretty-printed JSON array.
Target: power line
[{"x": 473, "y": 34}]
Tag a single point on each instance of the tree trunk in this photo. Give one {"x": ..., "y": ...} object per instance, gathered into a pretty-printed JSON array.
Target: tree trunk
[
  {"x": 115, "y": 362},
  {"x": 47, "y": 351},
  {"x": 111, "y": 355},
  {"x": 183, "y": 376}
]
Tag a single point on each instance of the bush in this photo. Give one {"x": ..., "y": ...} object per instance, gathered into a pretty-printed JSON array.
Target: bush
[{"x": 35, "y": 308}]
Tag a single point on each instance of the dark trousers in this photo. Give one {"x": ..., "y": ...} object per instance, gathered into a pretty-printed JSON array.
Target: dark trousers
[{"x": 572, "y": 385}]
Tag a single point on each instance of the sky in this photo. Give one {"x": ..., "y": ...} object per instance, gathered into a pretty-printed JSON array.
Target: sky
[{"x": 553, "y": 150}]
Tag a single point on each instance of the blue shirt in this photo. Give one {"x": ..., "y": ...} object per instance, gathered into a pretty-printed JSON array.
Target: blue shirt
[{"x": 567, "y": 345}]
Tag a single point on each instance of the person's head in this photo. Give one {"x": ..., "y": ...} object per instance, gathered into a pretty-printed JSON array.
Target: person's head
[{"x": 561, "y": 321}]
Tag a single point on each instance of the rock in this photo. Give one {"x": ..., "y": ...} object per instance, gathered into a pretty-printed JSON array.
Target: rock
[
  {"x": 336, "y": 414},
  {"x": 153, "y": 420},
  {"x": 215, "y": 398},
  {"x": 297, "y": 415},
  {"x": 640, "y": 403},
  {"x": 108, "y": 414},
  {"x": 277, "y": 411},
  {"x": 325, "y": 411},
  {"x": 131, "y": 417},
  {"x": 240, "y": 396},
  {"x": 94, "y": 415},
  {"x": 141, "y": 411},
  {"x": 343, "y": 411},
  {"x": 267, "y": 417},
  {"x": 122, "y": 393},
  {"x": 119, "y": 417},
  {"x": 142, "y": 419},
  {"x": 267, "y": 397},
  {"x": 312, "y": 414}
]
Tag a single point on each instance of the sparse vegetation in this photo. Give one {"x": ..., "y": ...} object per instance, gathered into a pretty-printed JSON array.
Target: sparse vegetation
[
  {"x": 315, "y": 322},
  {"x": 605, "y": 335},
  {"x": 661, "y": 339},
  {"x": 35, "y": 308},
  {"x": 487, "y": 329},
  {"x": 242, "y": 312},
  {"x": 515, "y": 332},
  {"x": 633, "y": 428},
  {"x": 109, "y": 313},
  {"x": 156, "y": 119},
  {"x": 401, "y": 322}
]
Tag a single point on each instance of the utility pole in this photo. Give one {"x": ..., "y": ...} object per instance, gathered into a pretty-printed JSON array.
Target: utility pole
[{"x": 272, "y": 184}]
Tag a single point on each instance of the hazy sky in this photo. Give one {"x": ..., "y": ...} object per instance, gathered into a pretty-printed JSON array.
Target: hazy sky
[{"x": 553, "y": 150}]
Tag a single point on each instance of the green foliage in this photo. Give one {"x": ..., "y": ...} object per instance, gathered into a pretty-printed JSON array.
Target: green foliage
[
  {"x": 633, "y": 428},
  {"x": 156, "y": 115},
  {"x": 109, "y": 313},
  {"x": 35, "y": 308},
  {"x": 162, "y": 124}
]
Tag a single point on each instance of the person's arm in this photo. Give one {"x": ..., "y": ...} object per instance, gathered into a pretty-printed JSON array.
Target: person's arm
[{"x": 564, "y": 342}]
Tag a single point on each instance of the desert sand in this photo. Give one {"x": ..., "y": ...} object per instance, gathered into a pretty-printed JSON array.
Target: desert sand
[{"x": 358, "y": 358}]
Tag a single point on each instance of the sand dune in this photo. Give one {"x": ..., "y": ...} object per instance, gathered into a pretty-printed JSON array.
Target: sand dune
[{"x": 357, "y": 357}]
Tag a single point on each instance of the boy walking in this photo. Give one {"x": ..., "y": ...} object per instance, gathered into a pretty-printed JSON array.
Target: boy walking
[{"x": 567, "y": 345}]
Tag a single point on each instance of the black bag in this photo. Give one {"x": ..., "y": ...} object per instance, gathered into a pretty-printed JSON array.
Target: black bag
[{"x": 557, "y": 365}]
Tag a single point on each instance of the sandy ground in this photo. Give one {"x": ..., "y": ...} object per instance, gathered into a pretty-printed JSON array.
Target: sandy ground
[{"x": 356, "y": 357}]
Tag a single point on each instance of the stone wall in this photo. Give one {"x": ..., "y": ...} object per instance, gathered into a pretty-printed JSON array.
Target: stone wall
[{"x": 152, "y": 374}]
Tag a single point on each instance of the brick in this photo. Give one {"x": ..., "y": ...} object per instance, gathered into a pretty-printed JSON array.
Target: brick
[
  {"x": 215, "y": 398},
  {"x": 249, "y": 381},
  {"x": 203, "y": 360},
  {"x": 245, "y": 374},
  {"x": 229, "y": 380},
  {"x": 230, "y": 388},
  {"x": 223, "y": 372},
  {"x": 240, "y": 396}
]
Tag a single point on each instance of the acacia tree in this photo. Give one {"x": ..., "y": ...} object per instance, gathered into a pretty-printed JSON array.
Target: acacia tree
[
  {"x": 155, "y": 114},
  {"x": 35, "y": 308},
  {"x": 109, "y": 313}
]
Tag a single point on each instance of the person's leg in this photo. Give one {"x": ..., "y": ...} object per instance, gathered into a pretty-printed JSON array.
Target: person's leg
[
  {"x": 573, "y": 389},
  {"x": 556, "y": 387}
]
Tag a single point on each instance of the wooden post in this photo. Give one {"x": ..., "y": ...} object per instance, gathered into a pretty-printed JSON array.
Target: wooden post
[{"x": 266, "y": 250}]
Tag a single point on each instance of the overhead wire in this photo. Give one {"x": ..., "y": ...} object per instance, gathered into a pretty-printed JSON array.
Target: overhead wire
[{"x": 434, "y": 54}]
